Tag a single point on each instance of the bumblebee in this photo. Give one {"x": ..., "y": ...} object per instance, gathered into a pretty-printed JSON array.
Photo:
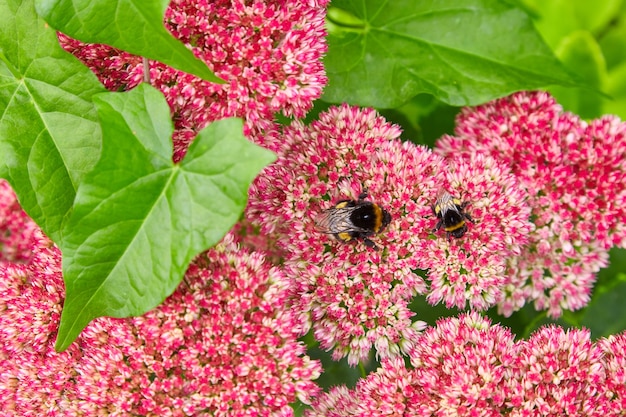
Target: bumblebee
[
  {"x": 354, "y": 219},
  {"x": 451, "y": 214}
]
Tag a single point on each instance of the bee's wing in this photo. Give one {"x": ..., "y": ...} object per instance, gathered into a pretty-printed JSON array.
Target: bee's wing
[
  {"x": 336, "y": 220},
  {"x": 445, "y": 202}
]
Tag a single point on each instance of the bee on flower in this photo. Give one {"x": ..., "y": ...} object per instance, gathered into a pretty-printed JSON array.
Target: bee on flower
[
  {"x": 354, "y": 219},
  {"x": 451, "y": 214}
]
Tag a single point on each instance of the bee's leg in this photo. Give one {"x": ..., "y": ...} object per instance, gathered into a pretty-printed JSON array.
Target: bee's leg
[
  {"x": 438, "y": 226},
  {"x": 468, "y": 217},
  {"x": 363, "y": 195},
  {"x": 369, "y": 243},
  {"x": 432, "y": 207}
]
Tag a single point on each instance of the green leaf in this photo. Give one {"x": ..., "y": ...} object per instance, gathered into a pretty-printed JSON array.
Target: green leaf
[
  {"x": 580, "y": 52},
  {"x": 464, "y": 52},
  {"x": 135, "y": 26},
  {"x": 49, "y": 134},
  {"x": 604, "y": 314},
  {"x": 335, "y": 372},
  {"x": 606, "y": 276},
  {"x": 139, "y": 218}
]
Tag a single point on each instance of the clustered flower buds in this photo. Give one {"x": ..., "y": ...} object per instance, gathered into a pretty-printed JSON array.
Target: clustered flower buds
[
  {"x": 573, "y": 175},
  {"x": 352, "y": 295},
  {"x": 467, "y": 366},
  {"x": 268, "y": 53},
  {"x": 520, "y": 206},
  {"x": 222, "y": 344},
  {"x": 538, "y": 194}
]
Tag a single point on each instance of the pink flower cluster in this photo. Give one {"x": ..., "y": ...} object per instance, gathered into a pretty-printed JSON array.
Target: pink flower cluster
[
  {"x": 353, "y": 296},
  {"x": 544, "y": 188},
  {"x": 268, "y": 52},
  {"x": 573, "y": 174},
  {"x": 16, "y": 228},
  {"x": 466, "y": 366},
  {"x": 545, "y": 191},
  {"x": 223, "y": 344}
]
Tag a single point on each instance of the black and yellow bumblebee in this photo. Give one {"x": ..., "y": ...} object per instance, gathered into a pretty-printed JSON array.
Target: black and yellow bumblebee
[
  {"x": 354, "y": 219},
  {"x": 451, "y": 214}
]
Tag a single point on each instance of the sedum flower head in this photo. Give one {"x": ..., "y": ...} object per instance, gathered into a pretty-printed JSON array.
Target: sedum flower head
[
  {"x": 614, "y": 358},
  {"x": 466, "y": 366},
  {"x": 472, "y": 270},
  {"x": 268, "y": 52},
  {"x": 234, "y": 343},
  {"x": 16, "y": 228},
  {"x": 354, "y": 296},
  {"x": 461, "y": 367},
  {"x": 223, "y": 344},
  {"x": 573, "y": 173},
  {"x": 34, "y": 379},
  {"x": 385, "y": 392},
  {"x": 558, "y": 373}
]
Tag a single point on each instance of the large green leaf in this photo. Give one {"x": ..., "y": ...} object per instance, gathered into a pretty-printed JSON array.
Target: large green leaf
[
  {"x": 464, "y": 52},
  {"x": 49, "y": 135},
  {"x": 139, "y": 218},
  {"x": 135, "y": 26}
]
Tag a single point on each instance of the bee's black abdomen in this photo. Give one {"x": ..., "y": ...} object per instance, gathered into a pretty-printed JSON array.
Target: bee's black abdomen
[
  {"x": 365, "y": 216},
  {"x": 452, "y": 217}
]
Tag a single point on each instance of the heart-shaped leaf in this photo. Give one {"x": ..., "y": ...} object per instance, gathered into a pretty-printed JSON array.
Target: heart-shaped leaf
[
  {"x": 464, "y": 52},
  {"x": 49, "y": 131},
  {"x": 136, "y": 26},
  {"x": 139, "y": 218}
]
